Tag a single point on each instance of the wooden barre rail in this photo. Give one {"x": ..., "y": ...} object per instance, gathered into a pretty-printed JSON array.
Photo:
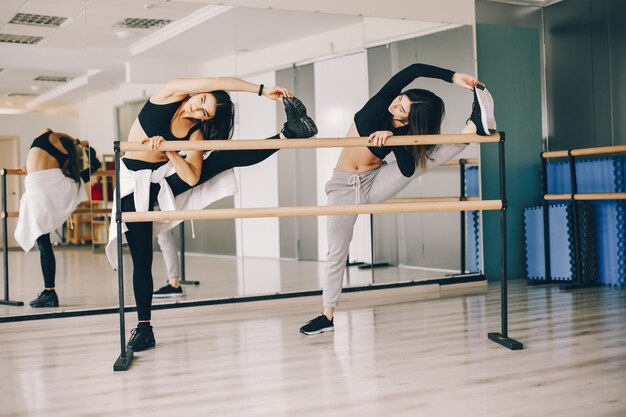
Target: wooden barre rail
[
  {"x": 246, "y": 213},
  {"x": 586, "y": 197},
  {"x": 453, "y": 162},
  {"x": 103, "y": 174},
  {"x": 7, "y": 171},
  {"x": 205, "y": 145},
  {"x": 468, "y": 161},
  {"x": 429, "y": 200},
  {"x": 586, "y": 151}
]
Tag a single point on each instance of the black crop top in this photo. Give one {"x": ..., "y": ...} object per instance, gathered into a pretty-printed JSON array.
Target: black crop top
[
  {"x": 43, "y": 142},
  {"x": 155, "y": 120},
  {"x": 375, "y": 116}
]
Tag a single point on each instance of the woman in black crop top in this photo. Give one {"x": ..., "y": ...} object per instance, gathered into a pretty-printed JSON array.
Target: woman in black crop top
[
  {"x": 51, "y": 151},
  {"x": 190, "y": 109},
  {"x": 362, "y": 176}
]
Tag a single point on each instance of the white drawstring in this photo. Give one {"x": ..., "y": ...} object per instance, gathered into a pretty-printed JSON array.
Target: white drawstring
[
  {"x": 71, "y": 223},
  {"x": 193, "y": 231},
  {"x": 355, "y": 182}
]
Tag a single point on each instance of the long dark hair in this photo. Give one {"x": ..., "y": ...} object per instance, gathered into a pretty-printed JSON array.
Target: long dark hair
[
  {"x": 70, "y": 168},
  {"x": 221, "y": 125},
  {"x": 425, "y": 117}
]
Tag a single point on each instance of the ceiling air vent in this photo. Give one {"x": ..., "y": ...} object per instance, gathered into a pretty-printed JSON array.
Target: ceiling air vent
[
  {"x": 20, "y": 95},
  {"x": 136, "y": 23},
  {"x": 53, "y": 78},
  {"x": 22, "y": 39},
  {"x": 37, "y": 20}
]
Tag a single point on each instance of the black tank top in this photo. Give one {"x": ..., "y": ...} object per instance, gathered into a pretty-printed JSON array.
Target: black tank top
[
  {"x": 155, "y": 120},
  {"x": 43, "y": 142}
]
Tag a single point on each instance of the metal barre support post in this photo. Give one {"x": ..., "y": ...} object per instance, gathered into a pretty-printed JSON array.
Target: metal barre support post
[
  {"x": 183, "y": 280},
  {"x": 126, "y": 355},
  {"x": 5, "y": 243},
  {"x": 503, "y": 338}
]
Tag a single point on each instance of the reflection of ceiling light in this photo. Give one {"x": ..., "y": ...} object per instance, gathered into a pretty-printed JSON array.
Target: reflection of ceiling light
[
  {"x": 35, "y": 88},
  {"x": 124, "y": 34},
  {"x": 53, "y": 78},
  {"x": 22, "y": 39},
  {"x": 243, "y": 50}
]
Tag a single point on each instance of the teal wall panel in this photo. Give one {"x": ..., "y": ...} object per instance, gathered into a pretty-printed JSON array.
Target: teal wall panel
[{"x": 509, "y": 64}]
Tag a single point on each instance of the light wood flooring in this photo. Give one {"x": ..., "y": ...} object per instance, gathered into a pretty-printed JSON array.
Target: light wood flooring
[{"x": 403, "y": 352}]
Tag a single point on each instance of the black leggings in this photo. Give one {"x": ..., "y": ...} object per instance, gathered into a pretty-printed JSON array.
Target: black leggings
[
  {"x": 139, "y": 234},
  {"x": 48, "y": 263}
]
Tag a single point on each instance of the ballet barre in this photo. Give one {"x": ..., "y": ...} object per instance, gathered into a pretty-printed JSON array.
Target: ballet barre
[
  {"x": 571, "y": 154},
  {"x": 125, "y": 358}
]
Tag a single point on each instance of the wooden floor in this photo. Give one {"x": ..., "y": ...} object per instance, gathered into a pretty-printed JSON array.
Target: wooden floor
[{"x": 391, "y": 355}]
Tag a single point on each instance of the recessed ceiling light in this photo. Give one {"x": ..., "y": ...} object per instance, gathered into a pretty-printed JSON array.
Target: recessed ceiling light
[
  {"x": 53, "y": 78},
  {"x": 37, "y": 20},
  {"x": 138, "y": 23},
  {"x": 21, "y": 39}
]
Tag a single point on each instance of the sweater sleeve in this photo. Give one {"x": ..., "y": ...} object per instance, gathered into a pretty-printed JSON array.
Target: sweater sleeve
[
  {"x": 394, "y": 86},
  {"x": 405, "y": 160}
]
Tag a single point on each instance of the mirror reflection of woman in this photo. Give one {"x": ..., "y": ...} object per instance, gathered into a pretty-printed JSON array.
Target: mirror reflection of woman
[
  {"x": 185, "y": 109},
  {"x": 361, "y": 174},
  {"x": 53, "y": 188}
]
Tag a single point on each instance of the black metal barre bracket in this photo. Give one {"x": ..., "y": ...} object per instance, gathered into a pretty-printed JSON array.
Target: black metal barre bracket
[{"x": 183, "y": 280}]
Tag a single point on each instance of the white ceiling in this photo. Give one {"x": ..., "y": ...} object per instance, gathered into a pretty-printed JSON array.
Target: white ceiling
[
  {"x": 200, "y": 32},
  {"x": 88, "y": 40}
]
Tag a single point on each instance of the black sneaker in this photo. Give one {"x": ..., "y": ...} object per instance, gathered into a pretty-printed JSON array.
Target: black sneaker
[
  {"x": 168, "y": 291},
  {"x": 141, "y": 338},
  {"x": 298, "y": 125},
  {"x": 319, "y": 324},
  {"x": 482, "y": 111},
  {"x": 45, "y": 299}
]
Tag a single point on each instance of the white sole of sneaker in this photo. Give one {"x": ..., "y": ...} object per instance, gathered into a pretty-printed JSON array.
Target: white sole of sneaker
[
  {"x": 483, "y": 113},
  {"x": 324, "y": 330},
  {"x": 167, "y": 295}
]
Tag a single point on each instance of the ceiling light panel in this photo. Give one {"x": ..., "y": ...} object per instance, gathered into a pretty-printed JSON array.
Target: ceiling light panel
[
  {"x": 20, "y": 39},
  {"x": 138, "y": 23},
  {"x": 53, "y": 78},
  {"x": 37, "y": 20}
]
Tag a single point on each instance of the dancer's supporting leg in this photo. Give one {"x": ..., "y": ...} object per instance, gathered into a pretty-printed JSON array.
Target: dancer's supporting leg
[
  {"x": 48, "y": 297},
  {"x": 137, "y": 236}
]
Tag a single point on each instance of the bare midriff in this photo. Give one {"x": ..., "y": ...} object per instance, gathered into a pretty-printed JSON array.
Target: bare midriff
[
  {"x": 135, "y": 135},
  {"x": 357, "y": 159}
]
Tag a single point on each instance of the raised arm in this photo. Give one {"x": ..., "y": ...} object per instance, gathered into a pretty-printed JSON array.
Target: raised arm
[{"x": 186, "y": 86}]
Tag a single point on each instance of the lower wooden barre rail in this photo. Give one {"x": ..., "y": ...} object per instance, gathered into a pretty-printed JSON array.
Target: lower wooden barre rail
[
  {"x": 428, "y": 199},
  {"x": 205, "y": 145},
  {"x": 6, "y": 171},
  {"x": 603, "y": 150},
  {"x": 586, "y": 197},
  {"x": 103, "y": 174},
  {"x": 457, "y": 162},
  {"x": 244, "y": 213}
]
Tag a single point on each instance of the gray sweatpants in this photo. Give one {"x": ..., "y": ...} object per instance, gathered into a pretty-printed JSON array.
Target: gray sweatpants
[
  {"x": 367, "y": 187},
  {"x": 169, "y": 248}
]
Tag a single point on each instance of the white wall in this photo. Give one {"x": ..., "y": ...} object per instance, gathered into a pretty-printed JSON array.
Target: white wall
[
  {"x": 450, "y": 11},
  {"x": 258, "y": 184},
  {"x": 97, "y": 114},
  {"x": 340, "y": 91},
  {"x": 26, "y": 126}
]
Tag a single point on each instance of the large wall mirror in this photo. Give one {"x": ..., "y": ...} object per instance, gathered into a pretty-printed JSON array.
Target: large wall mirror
[{"x": 109, "y": 57}]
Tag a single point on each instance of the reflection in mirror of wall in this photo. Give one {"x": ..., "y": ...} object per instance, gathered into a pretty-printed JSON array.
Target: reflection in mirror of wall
[{"x": 108, "y": 54}]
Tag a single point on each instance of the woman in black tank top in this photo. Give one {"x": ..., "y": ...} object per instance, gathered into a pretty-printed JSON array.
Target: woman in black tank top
[
  {"x": 52, "y": 150},
  {"x": 190, "y": 109}
]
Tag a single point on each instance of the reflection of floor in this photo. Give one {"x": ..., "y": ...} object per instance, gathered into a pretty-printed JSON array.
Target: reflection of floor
[
  {"x": 85, "y": 279},
  {"x": 397, "y": 359}
]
